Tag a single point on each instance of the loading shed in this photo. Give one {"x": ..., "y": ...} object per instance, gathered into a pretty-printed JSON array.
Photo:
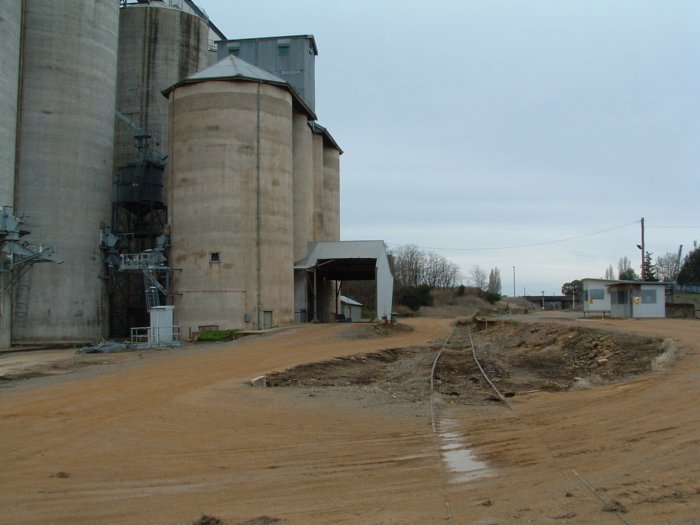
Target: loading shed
[{"x": 329, "y": 264}]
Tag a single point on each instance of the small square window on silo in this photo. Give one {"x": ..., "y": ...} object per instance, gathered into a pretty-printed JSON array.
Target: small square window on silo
[
  {"x": 283, "y": 50},
  {"x": 214, "y": 257}
]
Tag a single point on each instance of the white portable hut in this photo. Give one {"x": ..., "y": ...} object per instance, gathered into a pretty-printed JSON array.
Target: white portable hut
[{"x": 624, "y": 298}]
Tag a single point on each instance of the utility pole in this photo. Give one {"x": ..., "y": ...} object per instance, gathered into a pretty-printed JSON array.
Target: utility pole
[{"x": 643, "y": 252}]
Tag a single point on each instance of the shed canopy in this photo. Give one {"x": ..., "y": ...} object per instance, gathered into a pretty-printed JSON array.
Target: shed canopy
[{"x": 352, "y": 261}]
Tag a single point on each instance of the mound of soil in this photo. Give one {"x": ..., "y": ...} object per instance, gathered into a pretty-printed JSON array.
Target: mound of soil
[{"x": 518, "y": 358}]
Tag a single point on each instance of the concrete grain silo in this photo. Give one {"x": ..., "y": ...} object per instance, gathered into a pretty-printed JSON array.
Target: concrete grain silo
[
  {"x": 65, "y": 154},
  {"x": 331, "y": 192},
  {"x": 303, "y": 191},
  {"x": 230, "y": 197},
  {"x": 318, "y": 182},
  {"x": 10, "y": 36},
  {"x": 326, "y": 185},
  {"x": 158, "y": 45}
]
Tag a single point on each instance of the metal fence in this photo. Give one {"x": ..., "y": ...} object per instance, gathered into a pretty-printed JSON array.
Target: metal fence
[{"x": 153, "y": 336}]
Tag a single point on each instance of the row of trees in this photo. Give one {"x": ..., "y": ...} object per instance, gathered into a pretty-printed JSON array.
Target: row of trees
[
  {"x": 664, "y": 269},
  {"x": 414, "y": 267},
  {"x": 492, "y": 286}
]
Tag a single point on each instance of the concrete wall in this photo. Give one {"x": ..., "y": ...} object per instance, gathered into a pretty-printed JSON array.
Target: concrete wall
[
  {"x": 217, "y": 152},
  {"x": 158, "y": 46},
  {"x": 10, "y": 35},
  {"x": 65, "y": 152}
]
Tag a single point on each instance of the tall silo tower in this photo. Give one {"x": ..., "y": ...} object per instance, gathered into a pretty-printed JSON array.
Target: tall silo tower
[
  {"x": 158, "y": 46},
  {"x": 326, "y": 185},
  {"x": 230, "y": 196},
  {"x": 65, "y": 152},
  {"x": 303, "y": 205},
  {"x": 10, "y": 37}
]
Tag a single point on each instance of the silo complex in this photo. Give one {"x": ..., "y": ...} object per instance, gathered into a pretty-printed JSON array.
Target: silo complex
[
  {"x": 65, "y": 151},
  {"x": 230, "y": 197},
  {"x": 10, "y": 36},
  {"x": 85, "y": 136}
]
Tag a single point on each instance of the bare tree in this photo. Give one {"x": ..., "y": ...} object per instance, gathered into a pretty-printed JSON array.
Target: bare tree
[
  {"x": 478, "y": 277},
  {"x": 408, "y": 263},
  {"x": 666, "y": 266},
  {"x": 439, "y": 272},
  {"x": 414, "y": 267}
]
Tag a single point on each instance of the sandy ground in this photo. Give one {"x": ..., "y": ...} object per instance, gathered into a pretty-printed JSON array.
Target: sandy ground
[{"x": 166, "y": 437}]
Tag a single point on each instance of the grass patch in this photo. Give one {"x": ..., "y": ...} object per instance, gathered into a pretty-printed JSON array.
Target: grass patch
[{"x": 217, "y": 335}]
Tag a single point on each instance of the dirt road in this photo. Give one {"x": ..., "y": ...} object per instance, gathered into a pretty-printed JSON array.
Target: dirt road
[{"x": 178, "y": 434}]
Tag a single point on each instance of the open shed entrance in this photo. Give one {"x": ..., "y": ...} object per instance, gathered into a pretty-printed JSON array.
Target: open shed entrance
[{"x": 319, "y": 278}]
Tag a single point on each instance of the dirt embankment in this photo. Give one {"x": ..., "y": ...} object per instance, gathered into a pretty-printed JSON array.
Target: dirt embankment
[{"x": 518, "y": 358}]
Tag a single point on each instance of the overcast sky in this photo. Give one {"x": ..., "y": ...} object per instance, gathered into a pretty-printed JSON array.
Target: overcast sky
[{"x": 491, "y": 131}]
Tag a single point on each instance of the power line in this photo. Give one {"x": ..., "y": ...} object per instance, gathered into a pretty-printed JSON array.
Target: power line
[{"x": 528, "y": 245}]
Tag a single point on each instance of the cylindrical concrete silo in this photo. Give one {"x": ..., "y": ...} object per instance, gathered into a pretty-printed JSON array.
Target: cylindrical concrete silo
[
  {"x": 65, "y": 154},
  {"x": 331, "y": 193},
  {"x": 158, "y": 45},
  {"x": 318, "y": 185},
  {"x": 10, "y": 36},
  {"x": 303, "y": 185},
  {"x": 230, "y": 198},
  {"x": 303, "y": 206}
]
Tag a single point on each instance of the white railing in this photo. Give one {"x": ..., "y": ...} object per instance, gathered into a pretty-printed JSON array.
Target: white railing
[{"x": 152, "y": 336}]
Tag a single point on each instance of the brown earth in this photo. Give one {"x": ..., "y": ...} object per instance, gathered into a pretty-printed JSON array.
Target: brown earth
[{"x": 179, "y": 437}]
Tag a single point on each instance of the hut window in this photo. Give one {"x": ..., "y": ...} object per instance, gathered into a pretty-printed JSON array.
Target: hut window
[
  {"x": 648, "y": 296},
  {"x": 597, "y": 293},
  {"x": 214, "y": 257}
]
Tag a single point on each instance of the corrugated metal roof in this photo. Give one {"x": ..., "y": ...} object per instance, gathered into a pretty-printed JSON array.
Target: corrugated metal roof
[
  {"x": 234, "y": 68},
  {"x": 342, "y": 250},
  {"x": 327, "y": 137},
  {"x": 351, "y": 302}
]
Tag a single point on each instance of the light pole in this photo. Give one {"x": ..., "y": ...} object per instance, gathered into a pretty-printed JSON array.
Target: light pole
[{"x": 513, "y": 281}]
